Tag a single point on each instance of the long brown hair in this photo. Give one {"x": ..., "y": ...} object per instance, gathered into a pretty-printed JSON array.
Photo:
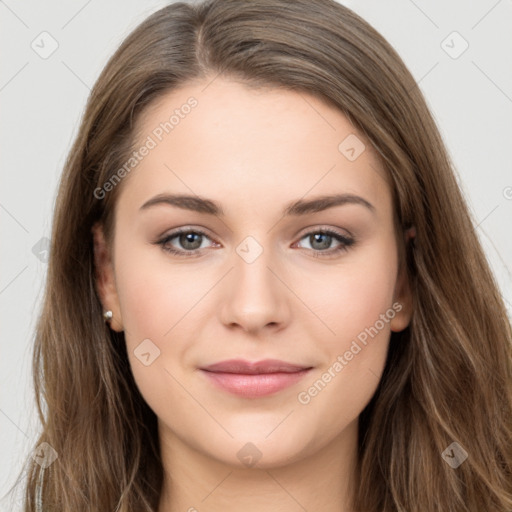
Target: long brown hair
[{"x": 448, "y": 377}]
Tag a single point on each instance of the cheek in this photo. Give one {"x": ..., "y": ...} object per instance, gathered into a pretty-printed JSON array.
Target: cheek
[
  {"x": 351, "y": 297},
  {"x": 156, "y": 301},
  {"x": 154, "y": 293},
  {"x": 356, "y": 303}
]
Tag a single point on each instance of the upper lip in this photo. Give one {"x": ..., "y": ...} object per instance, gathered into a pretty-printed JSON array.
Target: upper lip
[{"x": 253, "y": 368}]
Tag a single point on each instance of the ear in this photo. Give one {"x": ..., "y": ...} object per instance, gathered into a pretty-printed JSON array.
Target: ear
[
  {"x": 105, "y": 278},
  {"x": 403, "y": 293}
]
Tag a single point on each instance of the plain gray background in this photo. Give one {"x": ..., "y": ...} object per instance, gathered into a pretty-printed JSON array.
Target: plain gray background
[{"x": 42, "y": 100}]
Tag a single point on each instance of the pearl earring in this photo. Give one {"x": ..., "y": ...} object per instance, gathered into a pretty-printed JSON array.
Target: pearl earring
[{"x": 107, "y": 315}]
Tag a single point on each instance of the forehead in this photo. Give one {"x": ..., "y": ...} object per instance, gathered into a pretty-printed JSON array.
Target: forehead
[{"x": 226, "y": 140}]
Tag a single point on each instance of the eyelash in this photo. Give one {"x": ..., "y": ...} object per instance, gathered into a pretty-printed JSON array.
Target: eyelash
[{"x": 344, "y": 243}]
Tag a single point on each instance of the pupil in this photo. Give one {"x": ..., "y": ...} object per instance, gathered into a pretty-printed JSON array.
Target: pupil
[
  {"x": 187, "y": 240},
  {"x": 326, "y": 240}
]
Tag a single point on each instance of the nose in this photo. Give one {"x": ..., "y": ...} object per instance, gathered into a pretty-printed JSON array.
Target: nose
[{"x": 254, "y": 296}]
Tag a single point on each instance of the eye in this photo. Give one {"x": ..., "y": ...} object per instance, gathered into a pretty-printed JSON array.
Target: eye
[
  {"x": 191, "y": 241},
  {"x": 320, "y": 242}
]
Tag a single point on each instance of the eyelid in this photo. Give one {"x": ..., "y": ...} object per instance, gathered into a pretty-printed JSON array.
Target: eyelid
[
  {"x": 345, "y": 241},
  {"x": 185, "y": 229},
  {"x": 314, "y": 228}
]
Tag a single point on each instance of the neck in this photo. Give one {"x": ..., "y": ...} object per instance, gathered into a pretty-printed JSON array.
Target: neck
[{"x": 194, "y": 481}]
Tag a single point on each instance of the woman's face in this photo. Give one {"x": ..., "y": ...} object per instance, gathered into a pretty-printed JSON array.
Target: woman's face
[{"x": 254, "y": 279}]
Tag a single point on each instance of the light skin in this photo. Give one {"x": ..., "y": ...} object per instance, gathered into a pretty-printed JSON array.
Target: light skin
[{"x": 254, "y": 152}]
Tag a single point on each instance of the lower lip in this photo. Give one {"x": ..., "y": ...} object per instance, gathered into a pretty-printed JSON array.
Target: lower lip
[{"x": 253, "y": 386}]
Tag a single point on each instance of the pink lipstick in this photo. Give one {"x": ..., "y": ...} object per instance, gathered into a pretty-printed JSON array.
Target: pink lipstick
[{"x": 254, "y": 379}]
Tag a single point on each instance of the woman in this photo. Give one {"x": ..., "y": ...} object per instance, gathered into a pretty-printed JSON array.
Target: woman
[{"x": 335, "y": 341}]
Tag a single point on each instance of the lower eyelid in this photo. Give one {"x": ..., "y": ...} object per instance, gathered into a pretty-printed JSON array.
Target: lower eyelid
[
  {"x": 171, "y": 236},
  {"x": 344, "y": 242}
]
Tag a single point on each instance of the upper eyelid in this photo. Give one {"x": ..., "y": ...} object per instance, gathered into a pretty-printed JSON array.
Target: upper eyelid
[{"x": 305, "y": 232}]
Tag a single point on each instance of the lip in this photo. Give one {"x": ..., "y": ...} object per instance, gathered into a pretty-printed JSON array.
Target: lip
[{"x": 254, "y": 379}]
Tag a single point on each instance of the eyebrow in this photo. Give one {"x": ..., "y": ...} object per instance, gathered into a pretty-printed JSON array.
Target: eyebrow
[{"x": 299, "y": 207}]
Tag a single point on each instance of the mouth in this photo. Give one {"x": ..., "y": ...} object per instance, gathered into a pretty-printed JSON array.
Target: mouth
[{"x": 254, "y": 379}]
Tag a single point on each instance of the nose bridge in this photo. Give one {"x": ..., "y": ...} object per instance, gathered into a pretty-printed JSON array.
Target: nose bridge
[
  {"x": 251, "y": 272},
  {"x": 254, "y": 296}
]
